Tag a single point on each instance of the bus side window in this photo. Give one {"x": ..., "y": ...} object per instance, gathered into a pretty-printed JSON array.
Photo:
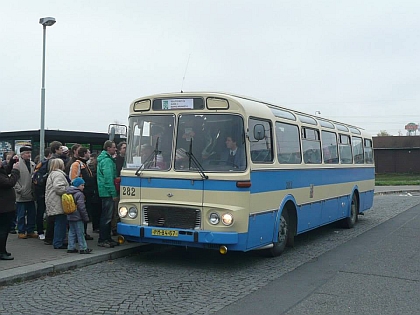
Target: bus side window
[
  {"x": 261, "y": 150},
  {"x": 345, "y": 150},
  {"x": 311, "y": 146},
  {"x": 368, "y": 151},
  {"x": 329, "y": 147},
  {"x": 288, "y": 143},
  {"x": 357, "y": 150}
]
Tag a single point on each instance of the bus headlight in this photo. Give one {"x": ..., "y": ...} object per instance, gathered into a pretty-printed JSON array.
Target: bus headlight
[
  {"x": 214, "y": 218},
  {"x": 132, "y": 212},
  {"x": 122, "y": 212},
  {"x": 227, "y": 219}
]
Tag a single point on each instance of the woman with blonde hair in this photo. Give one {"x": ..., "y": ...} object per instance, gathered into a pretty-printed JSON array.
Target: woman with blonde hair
[{"x": 56, "y": 186}]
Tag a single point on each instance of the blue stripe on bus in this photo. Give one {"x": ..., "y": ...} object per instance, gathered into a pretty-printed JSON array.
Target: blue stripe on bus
[
  {"x": 262, "y": 181},
  {"x": 265, "y": 181}
]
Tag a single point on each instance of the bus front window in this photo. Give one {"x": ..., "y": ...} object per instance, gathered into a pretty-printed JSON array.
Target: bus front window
[
  {"x": 150, "y": 142},
  {"x": 216, "y": 141}
]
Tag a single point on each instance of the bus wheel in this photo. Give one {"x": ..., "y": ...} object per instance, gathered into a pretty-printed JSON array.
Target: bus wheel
[
  {"x": 282, "y": 236},
  {"x": 350, "y": 221}
]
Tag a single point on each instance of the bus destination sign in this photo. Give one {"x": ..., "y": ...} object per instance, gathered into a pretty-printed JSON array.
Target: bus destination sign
[{"x": 178, "y": 103}]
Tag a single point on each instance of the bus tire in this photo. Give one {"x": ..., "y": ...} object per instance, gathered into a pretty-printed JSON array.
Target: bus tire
[
  {"x": 282, "y": 236},
  {"x": 350, "y": 221}
]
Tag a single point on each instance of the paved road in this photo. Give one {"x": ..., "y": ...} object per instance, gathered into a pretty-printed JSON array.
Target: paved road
[{"x": 171, "y": 280}]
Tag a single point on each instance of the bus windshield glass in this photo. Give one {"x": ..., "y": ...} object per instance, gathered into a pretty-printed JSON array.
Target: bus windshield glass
[
  {"x": 210, "y": 142},
  {"x": 150, "y": 142}
]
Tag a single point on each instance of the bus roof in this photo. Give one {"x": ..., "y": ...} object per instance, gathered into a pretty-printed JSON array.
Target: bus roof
[{"x": 253, "y": 107}]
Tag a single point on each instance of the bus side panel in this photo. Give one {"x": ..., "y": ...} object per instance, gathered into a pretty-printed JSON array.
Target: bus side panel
[
  {"x": 366, "y": 200},
  {"x": 330, "y": 211},
  {"x": 309, "y": 216},
  {"x": 261, "y": 229}
]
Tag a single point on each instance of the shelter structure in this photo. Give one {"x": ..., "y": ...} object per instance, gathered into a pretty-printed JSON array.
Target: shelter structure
[
  {"x": 13, "y": 140},
  {"x": 399, "y": 154}
]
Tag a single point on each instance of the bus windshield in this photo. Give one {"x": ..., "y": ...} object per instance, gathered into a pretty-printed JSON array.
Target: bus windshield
[
  {"x": 212, "y": 142},
  {"x": 150, "y": 142}
]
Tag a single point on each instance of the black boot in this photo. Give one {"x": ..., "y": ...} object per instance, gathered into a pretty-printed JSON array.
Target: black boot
[{"x": 4, "y": 256}]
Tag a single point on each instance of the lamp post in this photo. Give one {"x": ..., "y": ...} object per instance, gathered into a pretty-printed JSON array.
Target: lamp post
[{"x": 47, "y": 21}]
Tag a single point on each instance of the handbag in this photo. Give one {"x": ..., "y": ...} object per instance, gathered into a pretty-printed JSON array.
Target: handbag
[{"x": 117, "y": 183}]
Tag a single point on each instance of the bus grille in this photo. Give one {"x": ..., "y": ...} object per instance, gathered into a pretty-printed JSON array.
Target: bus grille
[{"x": 172, "y": 217}]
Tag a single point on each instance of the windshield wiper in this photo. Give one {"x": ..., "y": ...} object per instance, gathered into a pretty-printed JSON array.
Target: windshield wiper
[
  {"x": 152, "y": 156},
  {"x": 192, "y": 158}
]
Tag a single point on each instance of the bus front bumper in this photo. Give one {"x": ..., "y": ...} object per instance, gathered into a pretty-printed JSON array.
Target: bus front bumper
[{"x": 195, "y": 238}]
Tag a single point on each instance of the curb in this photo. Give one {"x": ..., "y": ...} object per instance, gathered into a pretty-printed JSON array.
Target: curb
[
  {"x": 396, "y": 191},
  {"x": 29, "y": 272}
]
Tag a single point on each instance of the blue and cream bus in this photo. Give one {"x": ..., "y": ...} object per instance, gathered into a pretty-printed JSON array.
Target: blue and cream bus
[{"x": 226, "y": 172}]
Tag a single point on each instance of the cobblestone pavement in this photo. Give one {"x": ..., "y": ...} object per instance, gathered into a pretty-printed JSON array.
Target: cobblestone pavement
[{"x": 173, "y": 280}]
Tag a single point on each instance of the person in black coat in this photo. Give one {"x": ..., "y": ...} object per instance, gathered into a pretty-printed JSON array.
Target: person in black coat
[{"x": 9, "y": 175}]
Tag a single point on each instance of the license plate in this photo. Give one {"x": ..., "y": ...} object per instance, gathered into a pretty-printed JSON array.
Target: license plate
[{"x": 172, "y": 233}]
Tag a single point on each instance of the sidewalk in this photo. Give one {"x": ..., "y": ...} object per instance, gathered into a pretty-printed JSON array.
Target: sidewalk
[
  {"x": 34, "y": 259},
  {"x": 395, "y": 189}
]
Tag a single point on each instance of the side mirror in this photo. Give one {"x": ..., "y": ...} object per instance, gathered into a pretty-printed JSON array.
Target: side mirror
[{"x": 259, "y": 132}]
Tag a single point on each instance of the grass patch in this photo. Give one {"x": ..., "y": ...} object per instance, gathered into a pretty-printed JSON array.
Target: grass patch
[{"x": 397, "y": 179}]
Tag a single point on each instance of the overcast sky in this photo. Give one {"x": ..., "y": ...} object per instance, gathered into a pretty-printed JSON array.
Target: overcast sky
[{"x": 354, "y": 61}]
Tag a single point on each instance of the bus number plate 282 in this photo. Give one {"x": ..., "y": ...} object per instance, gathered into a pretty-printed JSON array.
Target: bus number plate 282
[
  {"x": 172, "y": 233},
  {"x": 128, "y": 191}
]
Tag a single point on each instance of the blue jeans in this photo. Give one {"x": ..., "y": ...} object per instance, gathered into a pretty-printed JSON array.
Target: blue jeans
[
  {"x": 60, "y": 229},
  {"x": 105, "y": 221},
  {"x": 26, "y": 216},
  {"x": 77, "y": 232}
]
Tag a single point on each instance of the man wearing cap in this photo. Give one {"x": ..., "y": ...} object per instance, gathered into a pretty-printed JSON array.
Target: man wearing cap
[
  {"x": 25, "y": 205},
  {"x": 65, "y": 154}
]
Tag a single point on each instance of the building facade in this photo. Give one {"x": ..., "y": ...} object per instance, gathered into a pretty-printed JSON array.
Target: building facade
[{"x": 397, "y": 154}]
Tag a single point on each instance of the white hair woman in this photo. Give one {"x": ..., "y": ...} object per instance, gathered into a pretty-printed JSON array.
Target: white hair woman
[{"x": 56, "y": 186}]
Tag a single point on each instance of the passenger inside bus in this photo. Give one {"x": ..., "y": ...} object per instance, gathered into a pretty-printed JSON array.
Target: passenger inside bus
[
  {"x": 149, "y": 159},
  {"x": 190, "y": 138},
  {"x": 312, "y": 156}
]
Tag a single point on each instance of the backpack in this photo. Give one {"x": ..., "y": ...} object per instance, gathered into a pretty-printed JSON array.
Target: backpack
[
  {"x": 68, "y": 203},
  {"x": 40, "y": 175}
]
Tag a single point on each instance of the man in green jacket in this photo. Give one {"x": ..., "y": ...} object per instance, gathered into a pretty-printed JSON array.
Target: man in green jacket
[{"x": 107, "y": 172}]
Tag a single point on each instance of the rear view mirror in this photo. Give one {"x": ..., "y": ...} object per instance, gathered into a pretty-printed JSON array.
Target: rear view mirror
[{"x": 259, "y": 132}]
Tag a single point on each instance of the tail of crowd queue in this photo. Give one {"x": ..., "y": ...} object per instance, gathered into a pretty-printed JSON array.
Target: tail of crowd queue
[{"x": 30, "y": 210}]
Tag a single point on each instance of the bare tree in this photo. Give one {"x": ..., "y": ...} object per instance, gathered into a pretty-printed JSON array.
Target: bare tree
[{"x": 383, "y": 133}]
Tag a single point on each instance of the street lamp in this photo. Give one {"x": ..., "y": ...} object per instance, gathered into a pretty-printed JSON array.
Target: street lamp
[{"x": 47, "y": 21}]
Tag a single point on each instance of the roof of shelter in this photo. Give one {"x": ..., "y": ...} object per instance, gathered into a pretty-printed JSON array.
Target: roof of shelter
[{"x": 396, "y": 142}]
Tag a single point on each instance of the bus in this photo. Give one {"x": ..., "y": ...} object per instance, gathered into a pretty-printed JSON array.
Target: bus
[{"x": 227, "y": 172}]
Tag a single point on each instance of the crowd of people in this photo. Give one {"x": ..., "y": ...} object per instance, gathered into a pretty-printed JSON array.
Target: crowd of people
[{"x": 31, "y": 196}]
